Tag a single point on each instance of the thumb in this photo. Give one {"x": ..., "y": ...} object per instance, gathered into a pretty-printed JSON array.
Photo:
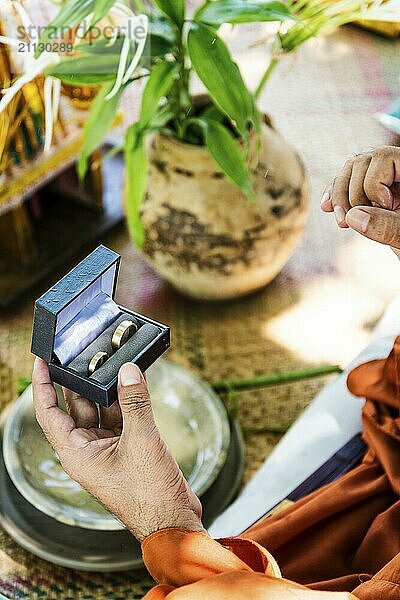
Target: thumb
[
  {"x": 134, "y": 397},
  {"x": 377, "y": 224}
]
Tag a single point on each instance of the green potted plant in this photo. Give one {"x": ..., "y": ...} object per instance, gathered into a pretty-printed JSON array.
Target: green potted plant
[{"x": 215, "y": 198}]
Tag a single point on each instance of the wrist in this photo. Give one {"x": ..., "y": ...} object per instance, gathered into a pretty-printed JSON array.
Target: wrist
[{"x": 184, "y": 519}]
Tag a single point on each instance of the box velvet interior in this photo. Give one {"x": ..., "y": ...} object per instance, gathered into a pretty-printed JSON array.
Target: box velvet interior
[{"x": 77, "y": 318}]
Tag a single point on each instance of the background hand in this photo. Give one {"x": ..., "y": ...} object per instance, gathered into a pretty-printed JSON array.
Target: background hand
[
  {"x": 117, "y": 453},
  {"x": 366, "y": 196}
]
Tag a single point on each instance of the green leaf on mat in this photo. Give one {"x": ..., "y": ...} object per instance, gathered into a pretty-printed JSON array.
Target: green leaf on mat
[{"x": 22, "y": 384}]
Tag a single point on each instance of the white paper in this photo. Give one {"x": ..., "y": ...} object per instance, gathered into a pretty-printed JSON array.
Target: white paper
[{"x": 330, "y": 421}]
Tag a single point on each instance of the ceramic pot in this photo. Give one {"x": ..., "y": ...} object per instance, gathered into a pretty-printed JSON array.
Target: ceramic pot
[{"x": 203, "y": 235}]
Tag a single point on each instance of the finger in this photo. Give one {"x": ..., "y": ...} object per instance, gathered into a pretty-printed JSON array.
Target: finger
[
  {"x": 376, "y": 224},
  {"x": 134, "y": 400},
  {"x": 111, "y": 418},
  {"x": 357, "y": 195},
  {"x": 340, "y": 194},
  {"x": 84, "y": 412},
  {"x": 380, "y": 176},
  {"x": 56, "y": 424},
  {"x": 326, "y": 202}
]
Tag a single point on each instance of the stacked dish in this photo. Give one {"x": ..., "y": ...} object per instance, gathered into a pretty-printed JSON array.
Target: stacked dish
[{"x": 53, "y": 517}]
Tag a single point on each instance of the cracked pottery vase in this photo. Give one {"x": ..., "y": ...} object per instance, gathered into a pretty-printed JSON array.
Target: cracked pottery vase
[{"x": 203, "y": 235}]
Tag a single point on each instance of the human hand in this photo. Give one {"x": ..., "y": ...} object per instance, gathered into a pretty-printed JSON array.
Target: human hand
[
  {"x": 366, "y": 196},
  {"x": 117, "y": 453}
]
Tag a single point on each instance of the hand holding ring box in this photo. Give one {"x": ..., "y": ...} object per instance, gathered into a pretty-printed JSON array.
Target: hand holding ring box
[{"x": 86, "y": 337}]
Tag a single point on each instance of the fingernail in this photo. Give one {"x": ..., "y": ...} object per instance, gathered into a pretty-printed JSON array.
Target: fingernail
[
  {"x": 358, "y": 219},
  {"x": 326, "y": 200},
  {"x": 129, "y": 374},
  {"x": 340, "y": 214}
]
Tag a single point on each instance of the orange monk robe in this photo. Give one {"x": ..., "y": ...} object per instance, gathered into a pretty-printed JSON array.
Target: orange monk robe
[
  {"x": 192, "y": 566},
  {"x": 341, "y": 542}
]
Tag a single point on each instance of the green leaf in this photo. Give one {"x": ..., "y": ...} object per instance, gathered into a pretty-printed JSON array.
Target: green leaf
[
  {"x": 158, "y": 85},
  {"x": 161, "y": 119},
  {"x": 220, "y": 74},
  {"x": 212, "y": 112},
  {"x": 72, "y": 13},
  {"x": 95, "y": 63},
  {"x": 85, "y": 79},
  {"x": 157, "y": 46},
  {"x": 227, "y": 153},
  {"x": 237, "y": 11},
  {"x": 162, "y": 27},
  {"x": 136, "y": 180},
  {"x": 22, "y": 384},
  {"x": 161, "y": 37},
  {"x": 101, "y": 46},
  {"x": 100, "y": 118},
  {"x": 100, "y": 68},
  {"x": 174, "y": 9},
  {"x": 102, "y": 8}
]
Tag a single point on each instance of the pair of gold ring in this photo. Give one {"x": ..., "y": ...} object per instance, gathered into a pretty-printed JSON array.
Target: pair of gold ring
[{"x": 121, "y": 335}]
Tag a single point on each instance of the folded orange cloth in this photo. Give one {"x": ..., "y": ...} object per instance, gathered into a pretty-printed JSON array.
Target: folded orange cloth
[
  {"x": 189, "y": 553},
  {"x": 191, "y": 565},
  {"x": 340, "y": 539},
  {"x": 349, "y": 530}
]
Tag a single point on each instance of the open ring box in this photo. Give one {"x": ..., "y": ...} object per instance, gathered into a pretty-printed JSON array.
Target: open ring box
[{"x": 77, "y": 318}]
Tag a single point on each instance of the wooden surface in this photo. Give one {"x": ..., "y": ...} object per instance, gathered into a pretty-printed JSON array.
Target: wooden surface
[{"x": 71, "y": 220}]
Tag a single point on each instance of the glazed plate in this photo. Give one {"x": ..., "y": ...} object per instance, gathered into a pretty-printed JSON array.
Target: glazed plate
[
  {"x": 189, "y": 414},
  {"x": 105, "y": 551}
]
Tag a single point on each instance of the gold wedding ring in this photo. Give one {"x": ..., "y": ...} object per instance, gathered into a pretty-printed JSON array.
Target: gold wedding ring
[
  {"x": 97, "y": 361},
  {"x": 124, "y": 331}
]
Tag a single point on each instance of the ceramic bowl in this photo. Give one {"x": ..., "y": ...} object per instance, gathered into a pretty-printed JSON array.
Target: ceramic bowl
[{"x": 190, "y": 416}]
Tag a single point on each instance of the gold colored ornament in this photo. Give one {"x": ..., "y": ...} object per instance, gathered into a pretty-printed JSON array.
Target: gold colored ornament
[
  {"x": 97, "y": 361},
  {"x": 123, "y": 332}
]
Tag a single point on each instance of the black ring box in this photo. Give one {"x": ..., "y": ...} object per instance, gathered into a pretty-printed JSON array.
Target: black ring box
[{"x": 93, "y": 279}]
